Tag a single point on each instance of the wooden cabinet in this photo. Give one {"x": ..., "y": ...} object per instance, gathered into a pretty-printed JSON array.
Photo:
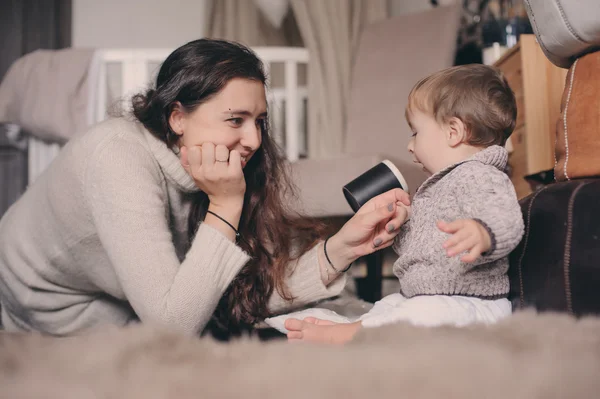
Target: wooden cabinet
[{"x": 538, "y": 87}]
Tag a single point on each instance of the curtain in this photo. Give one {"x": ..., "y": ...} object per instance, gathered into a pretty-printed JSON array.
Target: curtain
[
  {"x": 331, "y": 30},
  {"x": 28, "y": 25},
  {"x": 25, "y": 26},
  {"x": 247, "y": 22}
]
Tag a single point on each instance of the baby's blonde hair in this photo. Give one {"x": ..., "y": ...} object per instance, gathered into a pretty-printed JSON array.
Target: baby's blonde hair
[{"x": 477, "y": 94}]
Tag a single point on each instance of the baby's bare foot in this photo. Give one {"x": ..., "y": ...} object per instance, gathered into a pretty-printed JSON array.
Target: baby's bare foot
[
  {"x": 320, "y": 331},
  {"x": 320, "y": 322}
]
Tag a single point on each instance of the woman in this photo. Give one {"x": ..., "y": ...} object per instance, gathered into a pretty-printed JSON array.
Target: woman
[{"x": 175, "y": 216}]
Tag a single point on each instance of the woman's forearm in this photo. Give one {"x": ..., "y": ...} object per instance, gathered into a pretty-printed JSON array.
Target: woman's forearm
[
  {"x": 339, "y": 259},
  {"x": 231, "y": 214},
  {"x": 307, "y": 282}
]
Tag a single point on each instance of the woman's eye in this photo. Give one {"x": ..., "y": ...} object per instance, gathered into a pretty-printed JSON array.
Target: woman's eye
[
  {"x": 414, "y": 134},
  {"x": 236, "y": 121},
  {"x": 261, "y": 123}
]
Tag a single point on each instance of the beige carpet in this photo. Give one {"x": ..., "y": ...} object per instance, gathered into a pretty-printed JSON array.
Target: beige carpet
[{"x": 527, "y": 356}]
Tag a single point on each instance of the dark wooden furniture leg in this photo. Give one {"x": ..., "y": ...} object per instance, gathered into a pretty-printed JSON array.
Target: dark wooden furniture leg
[{"x": 369, "y": 287}]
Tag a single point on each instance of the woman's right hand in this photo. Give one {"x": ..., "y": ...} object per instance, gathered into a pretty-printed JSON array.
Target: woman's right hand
[
  {"x": 217, "y": 172},
  {"x": 372, "y": 228}
]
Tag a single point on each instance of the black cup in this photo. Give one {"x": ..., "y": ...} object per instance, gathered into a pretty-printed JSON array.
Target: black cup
[{"x": 382, "y": 177}]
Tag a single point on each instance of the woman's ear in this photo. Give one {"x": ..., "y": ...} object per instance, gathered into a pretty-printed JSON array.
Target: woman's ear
[
  {"x": 177, "y": 119},
  {"x": 456, "y": 132}
]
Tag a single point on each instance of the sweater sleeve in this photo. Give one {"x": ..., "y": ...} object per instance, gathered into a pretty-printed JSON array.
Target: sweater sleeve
[
  {"x": 488, "y": 196},
  {"x": 129, "y": 207},
  {"x": 305, "y": 284}
]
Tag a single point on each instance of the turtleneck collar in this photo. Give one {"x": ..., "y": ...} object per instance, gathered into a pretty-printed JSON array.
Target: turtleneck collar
[
  {"x": 494, "y": 155},
  {"x": 169, "y": 163}
]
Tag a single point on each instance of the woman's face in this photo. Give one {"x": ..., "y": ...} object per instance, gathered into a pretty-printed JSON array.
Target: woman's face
[{"x": 234, "y": 117}]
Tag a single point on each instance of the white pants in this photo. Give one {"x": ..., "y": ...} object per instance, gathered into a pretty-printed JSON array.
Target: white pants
[
  {"x": 429, "y": 311},
  {"x": 435, "y": 310}
]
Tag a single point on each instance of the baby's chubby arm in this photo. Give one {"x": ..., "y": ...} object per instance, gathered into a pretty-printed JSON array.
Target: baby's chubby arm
[
  {"x": 469, "y": 235},
  {"x": 493, "y": 223}
]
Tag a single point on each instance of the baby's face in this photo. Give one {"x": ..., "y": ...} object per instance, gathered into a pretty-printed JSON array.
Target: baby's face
[{"x": 428, "y": 144}]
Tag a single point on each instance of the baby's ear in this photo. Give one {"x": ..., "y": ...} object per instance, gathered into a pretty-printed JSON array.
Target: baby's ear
[{"x": 456, "y": 132}]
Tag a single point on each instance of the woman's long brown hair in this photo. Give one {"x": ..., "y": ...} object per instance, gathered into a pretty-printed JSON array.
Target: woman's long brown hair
[{"x": 272, "y": 234}]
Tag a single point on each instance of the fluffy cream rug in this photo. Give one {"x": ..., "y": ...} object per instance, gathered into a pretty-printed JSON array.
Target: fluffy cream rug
[{"x": 527, "y": 356}]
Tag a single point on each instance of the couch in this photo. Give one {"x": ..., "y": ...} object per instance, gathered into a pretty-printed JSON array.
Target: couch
[{"x": 390, "y": 59}]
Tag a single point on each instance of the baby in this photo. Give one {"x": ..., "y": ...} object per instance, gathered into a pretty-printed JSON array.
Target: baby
[{"x": 464, "y": 220}]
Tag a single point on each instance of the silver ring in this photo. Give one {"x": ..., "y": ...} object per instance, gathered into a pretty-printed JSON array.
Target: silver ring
[{"x": 216, "y": 160}]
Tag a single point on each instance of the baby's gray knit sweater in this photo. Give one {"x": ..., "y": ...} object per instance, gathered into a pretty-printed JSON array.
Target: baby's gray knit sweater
[{"x": 476, "y": 188}]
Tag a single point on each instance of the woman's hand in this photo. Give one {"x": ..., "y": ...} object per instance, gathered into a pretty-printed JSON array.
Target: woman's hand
[
  {"x": 373, "y": 227},
  {"x": 217, "y": 172}
]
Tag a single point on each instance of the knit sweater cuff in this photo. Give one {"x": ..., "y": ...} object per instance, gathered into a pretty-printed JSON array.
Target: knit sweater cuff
[
  {"x": 306, "y": 285},
  {"x": 228, "y": 257},
  {"x": 492, "y": 237},
  {"x": 506, "y": 230}
]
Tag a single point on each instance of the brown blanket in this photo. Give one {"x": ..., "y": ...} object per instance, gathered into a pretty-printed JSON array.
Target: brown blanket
[{"x": 527, "y": 356}]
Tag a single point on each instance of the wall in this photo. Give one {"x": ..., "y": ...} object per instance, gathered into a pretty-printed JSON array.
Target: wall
[{"x": 137, "y": 23}]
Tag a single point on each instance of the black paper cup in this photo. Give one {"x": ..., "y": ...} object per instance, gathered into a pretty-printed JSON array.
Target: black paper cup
[{"x": 382, "y": 177}]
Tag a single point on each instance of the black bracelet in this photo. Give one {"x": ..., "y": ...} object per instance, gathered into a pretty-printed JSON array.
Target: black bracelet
[
  {"x": 237, "y": 234},
  {"x": 329, "y": 260}
]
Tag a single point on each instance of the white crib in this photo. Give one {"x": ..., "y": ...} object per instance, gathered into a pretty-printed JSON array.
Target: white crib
[{"x": 137, "y": 68}]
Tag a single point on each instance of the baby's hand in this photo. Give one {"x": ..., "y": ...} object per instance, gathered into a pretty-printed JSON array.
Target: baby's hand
[
  {"x": 407, "y": 207},
  {"x": 467, "y": 235}
]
